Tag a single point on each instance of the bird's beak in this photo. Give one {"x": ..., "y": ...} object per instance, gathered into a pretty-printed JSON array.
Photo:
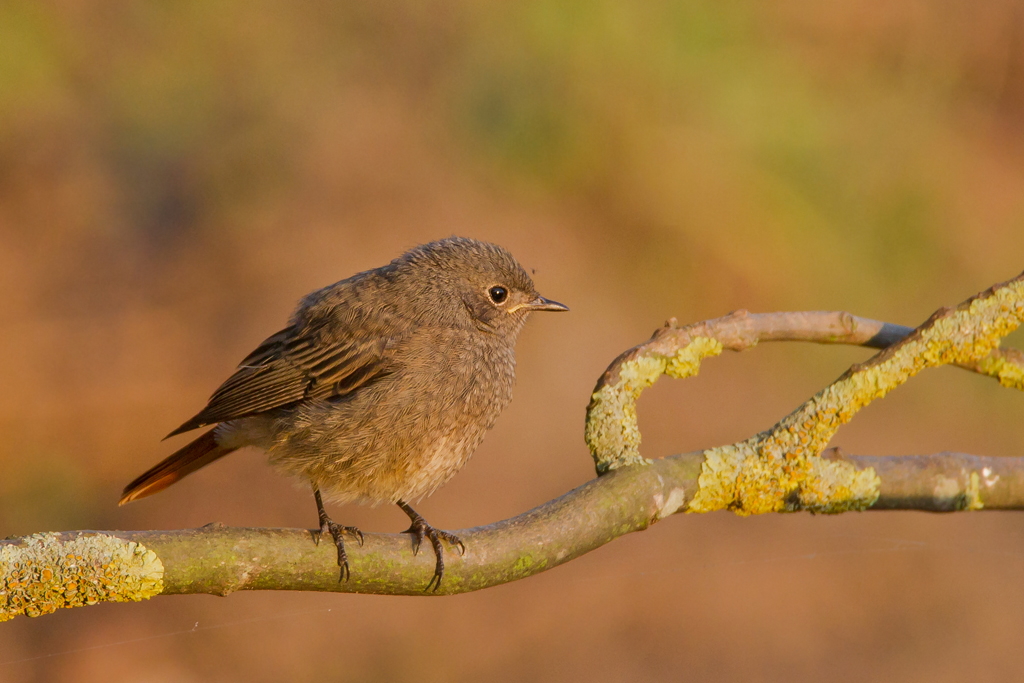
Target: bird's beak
[{"x": 540, "y": 304}]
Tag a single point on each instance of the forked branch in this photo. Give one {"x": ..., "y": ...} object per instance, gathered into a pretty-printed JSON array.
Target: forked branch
[{"x": 782, "y": 469}]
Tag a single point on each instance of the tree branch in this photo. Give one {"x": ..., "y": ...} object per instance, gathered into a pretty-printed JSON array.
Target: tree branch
[
  {"x": 613, "y": 433},
  {"x": 220, "y": 560},
  {"x": 781, "y": 469}
]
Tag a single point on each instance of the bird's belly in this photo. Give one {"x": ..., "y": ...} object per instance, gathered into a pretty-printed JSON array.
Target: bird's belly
[
  {"x": 392, "y": 442},
  {"x": 439, "y": 463},
  {"x": 382, "y": 475},
  {"x": 384, "y": 455}
]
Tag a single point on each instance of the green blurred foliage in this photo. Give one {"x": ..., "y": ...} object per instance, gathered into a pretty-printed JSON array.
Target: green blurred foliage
[{"x": 756, "y": 133}]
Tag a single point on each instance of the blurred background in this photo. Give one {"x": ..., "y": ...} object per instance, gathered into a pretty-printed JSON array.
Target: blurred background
[{"x": 174, "y": 176}]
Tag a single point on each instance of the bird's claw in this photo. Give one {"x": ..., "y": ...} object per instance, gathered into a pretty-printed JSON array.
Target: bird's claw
[
  {"x": 420, "y": 530},
  {"x": 337, "y": 531}
]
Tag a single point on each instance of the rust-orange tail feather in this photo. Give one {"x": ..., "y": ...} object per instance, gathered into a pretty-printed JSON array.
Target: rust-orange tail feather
[{"x": 177, "y": 465}]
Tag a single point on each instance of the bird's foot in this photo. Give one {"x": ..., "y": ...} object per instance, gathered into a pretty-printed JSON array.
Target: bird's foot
[
  {"x": 327, "y": 525},
  {"x": 420, "y": 530}
]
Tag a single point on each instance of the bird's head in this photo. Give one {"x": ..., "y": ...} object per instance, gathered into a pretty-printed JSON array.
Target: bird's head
[{"x": 481, "y": 283}]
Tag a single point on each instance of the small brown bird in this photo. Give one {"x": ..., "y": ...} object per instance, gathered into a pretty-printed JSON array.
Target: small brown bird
[{"x": 380, "y": 388}]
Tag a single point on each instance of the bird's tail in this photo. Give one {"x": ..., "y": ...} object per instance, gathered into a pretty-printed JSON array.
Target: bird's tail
[{"x": 179, "y": 464}]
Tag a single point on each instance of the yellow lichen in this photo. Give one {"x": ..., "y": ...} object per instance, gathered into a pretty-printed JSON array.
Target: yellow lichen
[
  {"x": 973, "y": 494},
  {"x": 1009, "y": 374},
  {"x": 686, "y": 361},
  {"x": 780, "y": 470},
  {"x": 740, "y": 478},
  {"x": 957, "y": 494},
  {"x": 43, "y": 573},
  {"x": 612, "y": 430}
]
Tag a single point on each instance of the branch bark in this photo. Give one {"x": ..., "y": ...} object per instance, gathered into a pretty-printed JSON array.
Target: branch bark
[
  {"x": 612, "y": 430},
  {"x": 220, "y": 560},
  {"x": 782, "y": 469}
]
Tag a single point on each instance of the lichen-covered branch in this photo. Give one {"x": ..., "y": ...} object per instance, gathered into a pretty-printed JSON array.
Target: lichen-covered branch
[
  {"x": 44, "y": 572},
  {"x": 612, "y": 430},
  {"x": 782, "y": 469}
]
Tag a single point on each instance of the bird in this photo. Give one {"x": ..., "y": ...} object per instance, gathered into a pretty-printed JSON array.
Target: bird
[{"x": 378, "y": 390}]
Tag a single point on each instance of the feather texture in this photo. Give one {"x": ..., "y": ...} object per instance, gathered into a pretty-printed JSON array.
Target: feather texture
[{"x": 294, "y": 364}]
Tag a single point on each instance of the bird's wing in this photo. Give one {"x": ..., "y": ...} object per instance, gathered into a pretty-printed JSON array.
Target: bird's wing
[{"x": 296, "y": 363}]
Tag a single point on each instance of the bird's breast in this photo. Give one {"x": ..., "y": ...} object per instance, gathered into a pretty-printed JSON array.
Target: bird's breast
[{"x": 408, "y": 433}]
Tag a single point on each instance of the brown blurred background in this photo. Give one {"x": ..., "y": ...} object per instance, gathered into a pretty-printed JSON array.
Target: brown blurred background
[{"x": 174, "y": 176}]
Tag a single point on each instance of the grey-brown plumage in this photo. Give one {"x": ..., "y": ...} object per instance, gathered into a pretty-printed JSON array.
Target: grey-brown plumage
[{"x": 382, "y": 385}]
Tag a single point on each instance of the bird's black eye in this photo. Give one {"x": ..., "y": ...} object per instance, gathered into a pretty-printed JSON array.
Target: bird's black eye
[{"x": 497, "y": 294}]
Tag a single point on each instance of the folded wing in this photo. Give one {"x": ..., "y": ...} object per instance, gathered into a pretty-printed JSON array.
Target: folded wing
[{"x": 296, "y": 364}]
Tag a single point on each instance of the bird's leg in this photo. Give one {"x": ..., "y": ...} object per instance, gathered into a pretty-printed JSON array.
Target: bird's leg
[
  {"x": 328, "y": 525},
  {"x": 419, "y": 528}
]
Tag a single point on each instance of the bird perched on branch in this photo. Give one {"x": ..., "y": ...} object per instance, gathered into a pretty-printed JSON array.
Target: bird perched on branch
[{"x": 379, "y": 389}]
